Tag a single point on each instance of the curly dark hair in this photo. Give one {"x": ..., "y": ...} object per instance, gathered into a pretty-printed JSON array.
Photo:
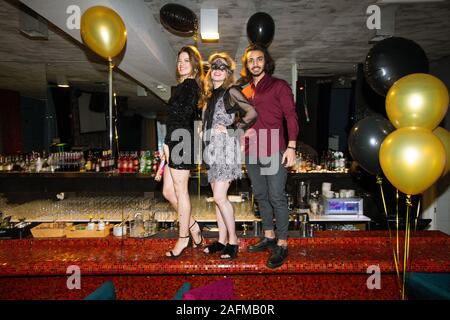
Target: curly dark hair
[{"x": 269, "y": 66}]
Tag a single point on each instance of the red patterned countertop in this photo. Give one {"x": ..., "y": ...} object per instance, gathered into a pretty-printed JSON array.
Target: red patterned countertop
[{"x": 328, "y": 252}]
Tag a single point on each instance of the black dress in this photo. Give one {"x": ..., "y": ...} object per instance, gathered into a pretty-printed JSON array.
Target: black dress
[{"x": 182, "y": 113}]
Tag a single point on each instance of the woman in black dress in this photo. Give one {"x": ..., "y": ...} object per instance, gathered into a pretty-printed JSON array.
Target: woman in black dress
[{"x": 179, "y": 146}]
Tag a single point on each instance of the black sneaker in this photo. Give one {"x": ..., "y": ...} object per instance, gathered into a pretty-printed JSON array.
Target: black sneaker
[
  {"x": 263, "y": 244},
  {"x": 277, "y": 258}
]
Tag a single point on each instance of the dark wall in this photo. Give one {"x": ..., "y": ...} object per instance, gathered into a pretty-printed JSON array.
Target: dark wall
[
  {"x": 62, "y": 100},
  {"x": 11, "y": 120},
  {"x": 314, "y": 100},
  {"x": 33, "y": 124},
  {"x": 441, "y": 69},
  {"x": 339, "y": 115},
  {"x": 130, "y": 133}
]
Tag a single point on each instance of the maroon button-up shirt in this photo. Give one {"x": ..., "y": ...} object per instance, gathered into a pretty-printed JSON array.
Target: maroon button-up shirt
[{"x": 273, "y": 100}]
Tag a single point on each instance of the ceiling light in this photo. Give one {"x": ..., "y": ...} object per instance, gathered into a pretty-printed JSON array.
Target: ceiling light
[
  {"x": 209, "y": 24},
  {"x": 61, "y": 81}
]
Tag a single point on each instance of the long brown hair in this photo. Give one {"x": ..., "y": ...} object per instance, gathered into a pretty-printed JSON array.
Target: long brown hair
[
  {"x": 196, "y": 61},
  {"x": 207, "y": 82},
  {"x": 269, "y": 66}
]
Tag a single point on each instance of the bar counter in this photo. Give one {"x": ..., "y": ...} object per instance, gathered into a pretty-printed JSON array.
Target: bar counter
[{"x": 332, "y": 265}]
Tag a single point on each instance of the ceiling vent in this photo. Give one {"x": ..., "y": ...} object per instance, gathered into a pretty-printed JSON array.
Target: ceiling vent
[{"x": 33, "y": 26}]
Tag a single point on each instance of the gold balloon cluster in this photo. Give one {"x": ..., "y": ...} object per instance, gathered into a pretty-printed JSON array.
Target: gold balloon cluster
[
  {"x": 103, "y": 31},
  {"x": 414, "y": 157}
]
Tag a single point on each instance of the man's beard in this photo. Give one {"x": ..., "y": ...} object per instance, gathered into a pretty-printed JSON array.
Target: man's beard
[{"x": 257, "y": 74}]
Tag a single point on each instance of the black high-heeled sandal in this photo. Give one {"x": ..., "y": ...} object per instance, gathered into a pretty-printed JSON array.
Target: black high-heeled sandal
[
  {"x": 189, "y": 244},
  {"x": 201, "y": 235},
  {"x": 214, "y": 247},
  {"x": 230, "y": 251}
]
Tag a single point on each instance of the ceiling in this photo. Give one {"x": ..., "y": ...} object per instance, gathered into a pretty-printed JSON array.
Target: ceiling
[
  {"x": 326, "y": 37},
  {"x": 28, "y": 64}
]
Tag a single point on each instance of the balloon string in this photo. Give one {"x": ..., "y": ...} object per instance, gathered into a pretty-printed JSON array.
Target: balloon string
[
  {"x": 397, "y": 241},
  {"x": 380, "y": 183},
  {"x": 199, "y": 173},
  {"x": 417, "y": 216},
  {"x": 406, "y": 245},
  {"x": 111, "y": 67}
]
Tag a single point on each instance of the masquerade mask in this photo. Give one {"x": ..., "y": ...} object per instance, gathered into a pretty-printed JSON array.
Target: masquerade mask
[{"x": 219, "y": 65}]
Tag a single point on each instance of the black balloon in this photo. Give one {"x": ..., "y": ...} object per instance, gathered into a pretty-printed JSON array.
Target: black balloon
[
  {"x": 392, "y": 59},
  {"x": 365, "y": 140},
  {"x": 261, "y": 29},
  {"x": 178, "y": 19}
]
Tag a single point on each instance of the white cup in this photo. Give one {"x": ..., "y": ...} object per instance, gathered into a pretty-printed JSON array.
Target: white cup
[
  {"x": 342, "y": 193},
  {"x": 350, "y": 193},
  {"x": 119, "y": 231},
  {"x": 326, "y": 186},
  {"x": 328, "y": 194}
]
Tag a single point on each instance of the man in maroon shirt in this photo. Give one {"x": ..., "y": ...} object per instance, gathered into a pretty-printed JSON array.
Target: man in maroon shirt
[{"x": 266, "y": 152}]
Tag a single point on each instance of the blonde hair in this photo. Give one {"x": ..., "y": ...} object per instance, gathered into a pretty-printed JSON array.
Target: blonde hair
[{"x": 207, "y": 81}]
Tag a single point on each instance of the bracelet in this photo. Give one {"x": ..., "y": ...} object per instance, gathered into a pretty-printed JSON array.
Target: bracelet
[{"x": 292, "y": 148}]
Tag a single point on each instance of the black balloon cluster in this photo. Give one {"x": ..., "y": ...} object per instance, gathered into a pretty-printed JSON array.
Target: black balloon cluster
[{"x": 387, "y": 61}]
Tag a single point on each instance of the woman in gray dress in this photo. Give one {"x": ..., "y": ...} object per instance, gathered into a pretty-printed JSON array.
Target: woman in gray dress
[{"x": 226, "y": 114}]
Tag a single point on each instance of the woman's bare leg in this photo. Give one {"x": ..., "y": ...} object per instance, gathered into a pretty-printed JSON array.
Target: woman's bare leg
[
  {"x": 226, "y": 209},
  {"x": 223, "y": 231},
  {"x": 180, "y": 180}
]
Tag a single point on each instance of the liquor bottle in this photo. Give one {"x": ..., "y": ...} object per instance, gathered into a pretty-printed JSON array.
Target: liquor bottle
[
  {"x": 89, "y": 162},
  {"x": 111, "y": 161},
  {"x": 81, "y": 163},
  {"x": 130, "y": 163},
  {"x": 120, "y": 163},
  {"x": 135, "y": 163},
  {"x": 98, "y": 164},
  {"x": 148, "y": 162},
  {"x": 38, "y": 164},
  {"x": 142, "y": 162},
  {"x": 1, "y": 163},
  {"x": 124, "y": 162}
]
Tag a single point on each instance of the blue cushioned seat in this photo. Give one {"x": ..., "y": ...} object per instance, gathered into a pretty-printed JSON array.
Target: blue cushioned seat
[
  {"x": 428, "y": 286},
  {"x": 105, "y": 292}
]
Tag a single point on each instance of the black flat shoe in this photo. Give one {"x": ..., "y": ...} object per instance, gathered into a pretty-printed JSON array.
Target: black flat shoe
[
  {"x": 200, "y": 233},
  {"x": 214, "y": 247},
  {"x": 263, "y": 244},
  {"x": 278, "y": 257},
  {"x": 230, "y": 251},
  {"x": 189, "y": 244}
]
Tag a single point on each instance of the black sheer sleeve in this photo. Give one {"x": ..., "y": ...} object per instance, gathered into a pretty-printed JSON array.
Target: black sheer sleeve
[{"x": 237, "y": 102}]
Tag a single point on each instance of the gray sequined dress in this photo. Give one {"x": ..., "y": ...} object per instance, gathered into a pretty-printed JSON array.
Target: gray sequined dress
[{"x": 224, "y": 155}]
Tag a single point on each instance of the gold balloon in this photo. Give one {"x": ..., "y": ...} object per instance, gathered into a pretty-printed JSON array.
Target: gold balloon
[
  {"x": 417, "y": 100},
  {"x": 412, "y": 159},
  {"x": 103, "y": 30},
  {"x": 444, "y": 136}
]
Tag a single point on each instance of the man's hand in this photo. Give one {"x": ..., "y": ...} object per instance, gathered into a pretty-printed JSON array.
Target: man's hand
[{"x": 288, "y": 157}]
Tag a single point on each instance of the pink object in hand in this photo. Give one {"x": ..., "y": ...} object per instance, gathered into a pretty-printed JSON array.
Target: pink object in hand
[{"x": 218, "y": 290}]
